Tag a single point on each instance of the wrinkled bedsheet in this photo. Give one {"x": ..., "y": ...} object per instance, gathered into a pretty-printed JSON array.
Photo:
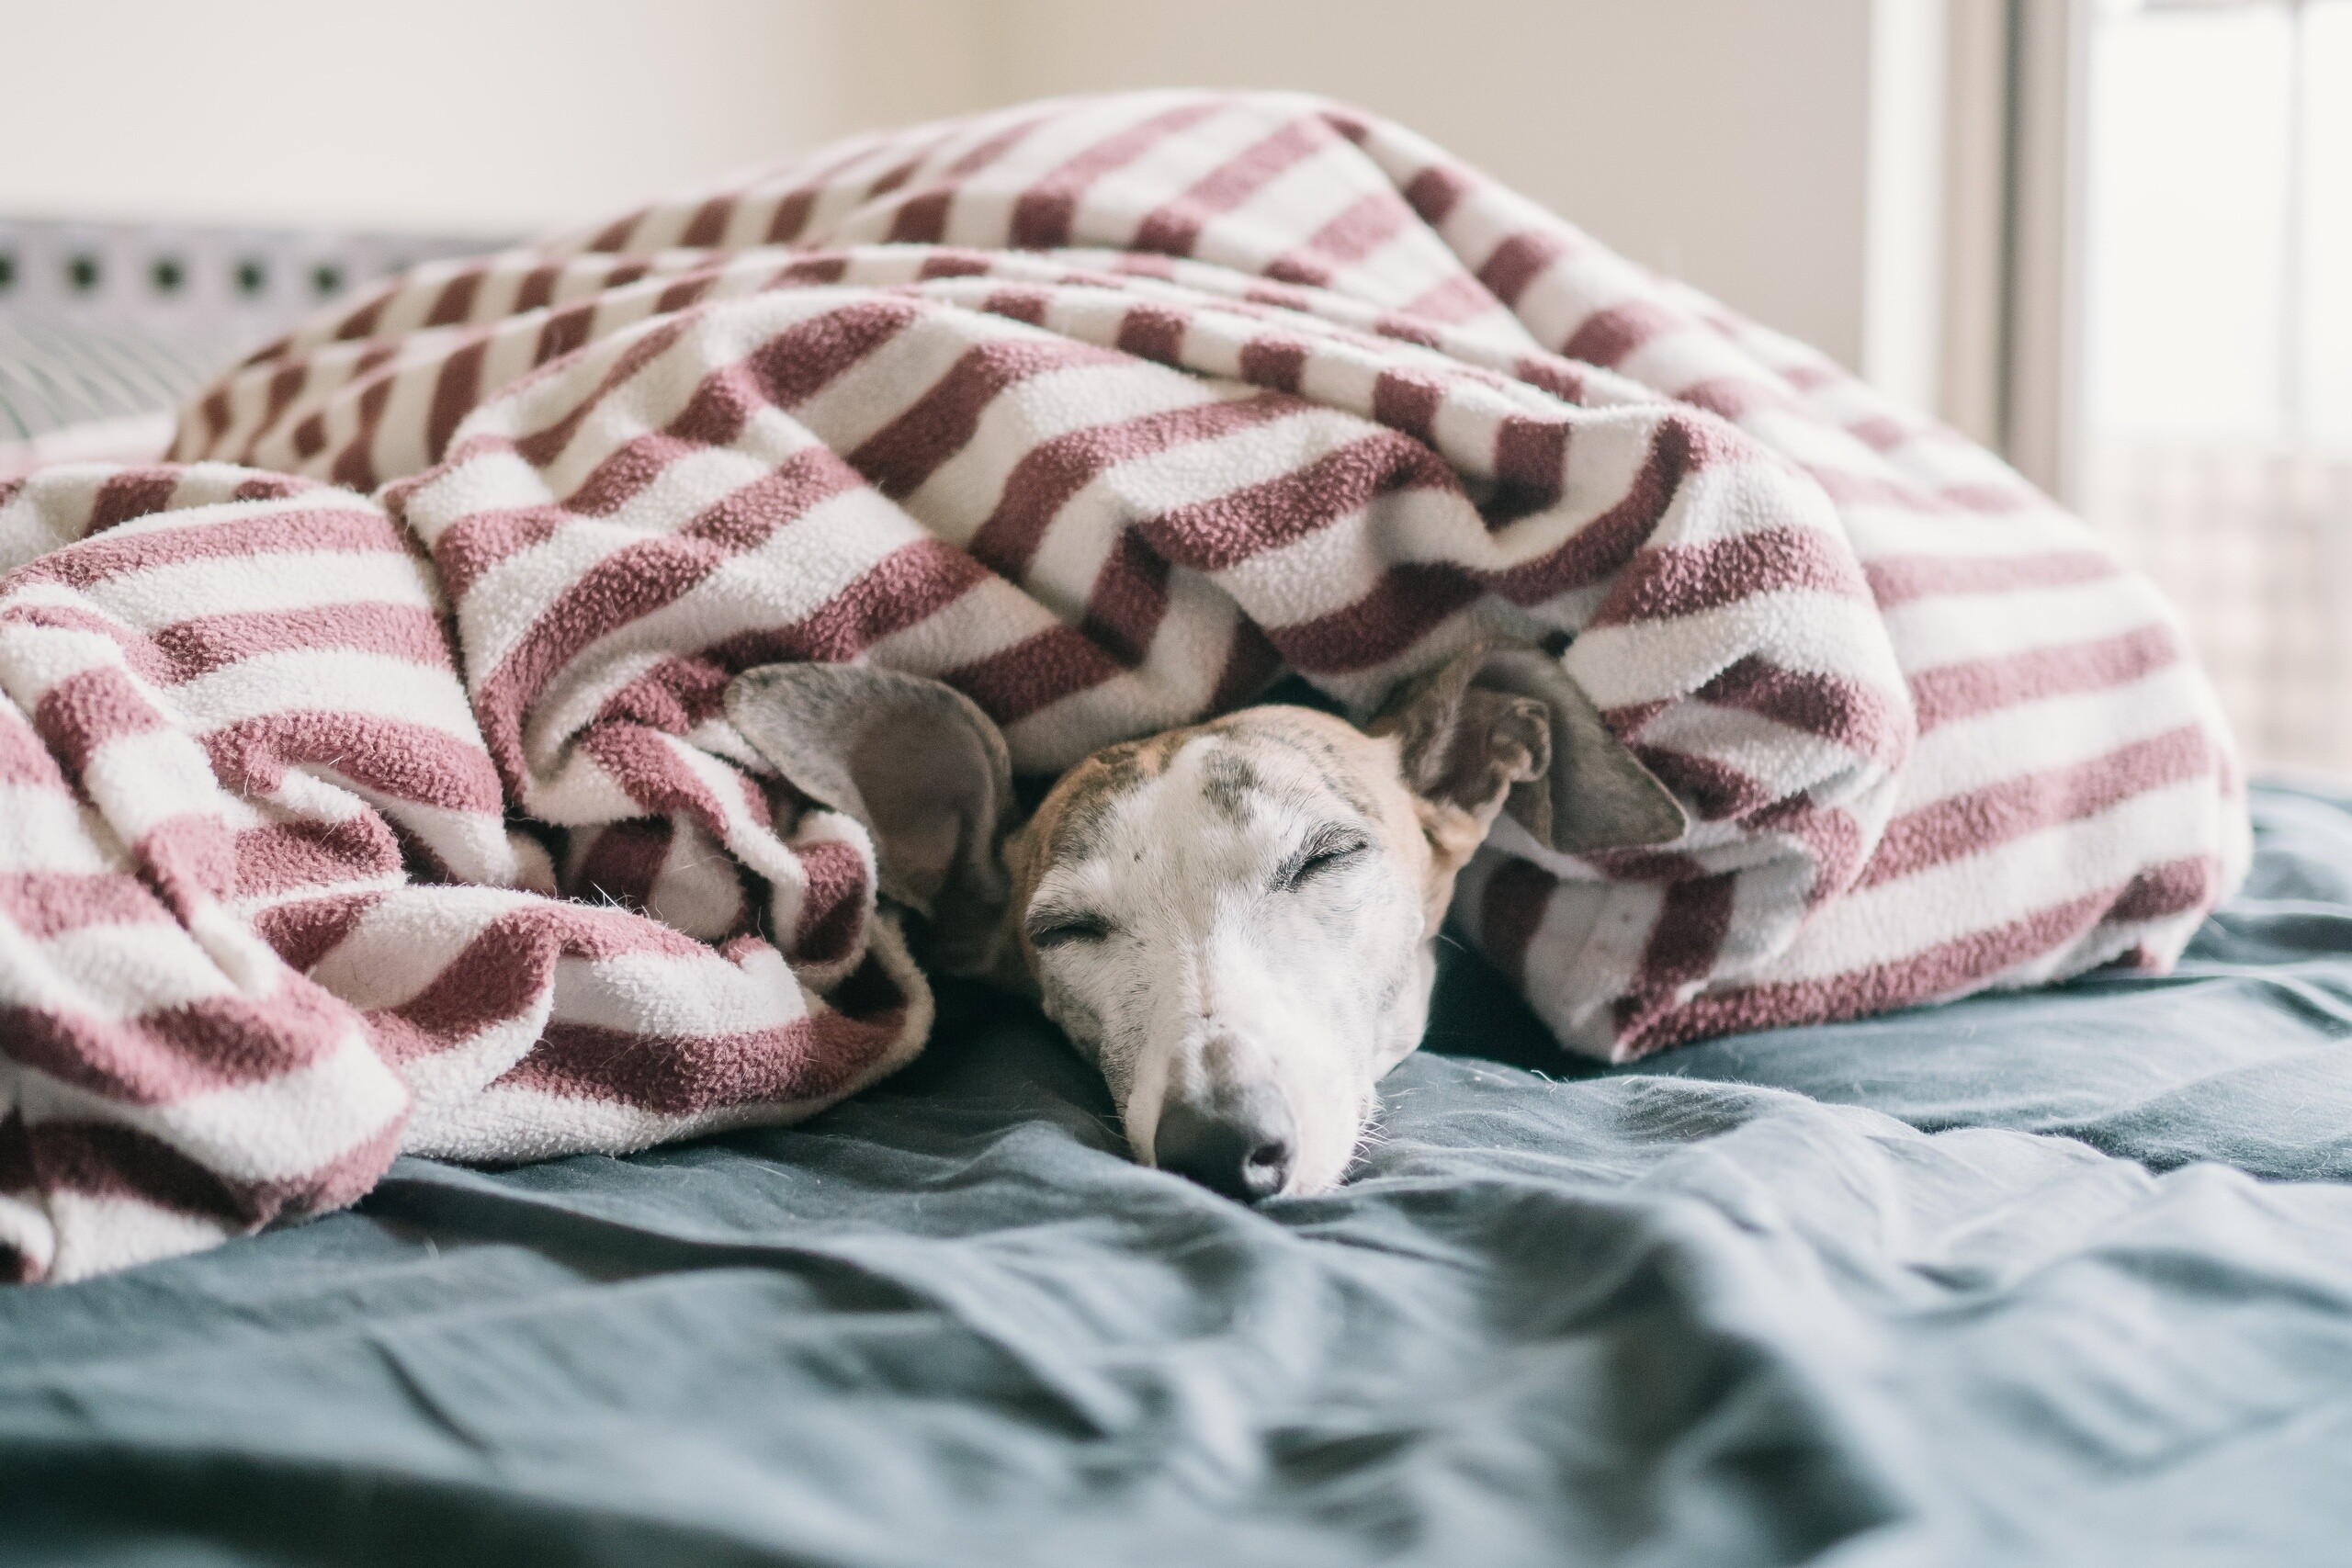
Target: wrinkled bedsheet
[{"x": 2058, "y": 1278}]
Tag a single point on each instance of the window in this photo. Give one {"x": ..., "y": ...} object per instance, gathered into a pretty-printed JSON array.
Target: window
[{"x": 2216, "y": 343}]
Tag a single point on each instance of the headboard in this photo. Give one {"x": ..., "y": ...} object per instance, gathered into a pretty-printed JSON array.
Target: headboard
[{"x": 99, "y": 321}]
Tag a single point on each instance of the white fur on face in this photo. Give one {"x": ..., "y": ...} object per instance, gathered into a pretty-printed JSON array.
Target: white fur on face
[{"x": 1238, "y": 921}]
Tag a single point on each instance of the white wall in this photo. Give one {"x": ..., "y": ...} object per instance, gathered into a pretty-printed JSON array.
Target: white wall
[
  {"x": 1906, "y": 199},
  {"x": 456, "y": 116},
  {"x": 1729, "y": 141}
]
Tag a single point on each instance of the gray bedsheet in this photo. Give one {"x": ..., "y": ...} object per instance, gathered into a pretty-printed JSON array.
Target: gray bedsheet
[{"x": 2061, "y": 1278}]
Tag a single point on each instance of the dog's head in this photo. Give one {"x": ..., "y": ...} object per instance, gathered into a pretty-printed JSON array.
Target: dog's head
[{"x": 1235, "y": 921}]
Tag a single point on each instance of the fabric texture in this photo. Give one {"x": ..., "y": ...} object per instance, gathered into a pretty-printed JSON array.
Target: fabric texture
[
  {"x": 1104, "y": 411},
  {"x": 1995, "y": 1306},
  {"x": 268, "y": 924}
]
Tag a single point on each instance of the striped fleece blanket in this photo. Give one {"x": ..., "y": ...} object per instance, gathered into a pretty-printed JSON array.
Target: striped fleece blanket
[{"x": 368, "y": 782}]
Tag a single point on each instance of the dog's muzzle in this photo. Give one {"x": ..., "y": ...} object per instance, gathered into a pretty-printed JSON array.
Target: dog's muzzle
[{"x": 1240, "y": 1144}]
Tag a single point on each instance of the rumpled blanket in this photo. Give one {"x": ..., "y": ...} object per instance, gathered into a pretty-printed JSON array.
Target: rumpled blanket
[{"x": 368, "y": 784}]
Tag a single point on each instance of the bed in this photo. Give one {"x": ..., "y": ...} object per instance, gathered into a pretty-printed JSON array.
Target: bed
[
  {"x": 2062, "y": 1277},
  {"x": 2065, "y": 1276}
]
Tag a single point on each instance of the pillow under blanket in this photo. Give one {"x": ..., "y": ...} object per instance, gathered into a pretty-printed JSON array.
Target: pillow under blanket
[{"x": 1106, "y": 411}]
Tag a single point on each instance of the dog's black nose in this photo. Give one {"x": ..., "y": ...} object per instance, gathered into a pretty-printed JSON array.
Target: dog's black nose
[{"x": 1239, "y": 1146}]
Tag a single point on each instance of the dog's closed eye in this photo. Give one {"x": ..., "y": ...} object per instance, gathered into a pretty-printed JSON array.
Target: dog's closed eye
[
  {"x": 1055, "y": 927},
  {"x": 1325, "y": 850}
]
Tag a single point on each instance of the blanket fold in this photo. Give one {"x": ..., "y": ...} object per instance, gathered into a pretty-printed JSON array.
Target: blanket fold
[{"x": 1105, "y": 411}]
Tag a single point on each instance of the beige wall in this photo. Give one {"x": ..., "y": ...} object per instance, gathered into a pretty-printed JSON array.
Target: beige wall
[
  {"x": 1720, "y": 140},
  {"x": 1729, "y": 141}
]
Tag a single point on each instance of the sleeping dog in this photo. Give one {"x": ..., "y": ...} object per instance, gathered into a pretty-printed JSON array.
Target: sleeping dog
[{"x": 1235, "y": 921}]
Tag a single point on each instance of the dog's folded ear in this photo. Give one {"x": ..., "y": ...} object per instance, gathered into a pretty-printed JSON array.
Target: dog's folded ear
[
  {"x": 913, "y": 759},
  {"x": 1502, "y": 726}
]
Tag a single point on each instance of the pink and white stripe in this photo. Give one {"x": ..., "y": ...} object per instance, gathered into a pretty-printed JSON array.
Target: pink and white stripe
[
  {"x": 263, "y": 922},
  {"x": 1105, "y": 411}
]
